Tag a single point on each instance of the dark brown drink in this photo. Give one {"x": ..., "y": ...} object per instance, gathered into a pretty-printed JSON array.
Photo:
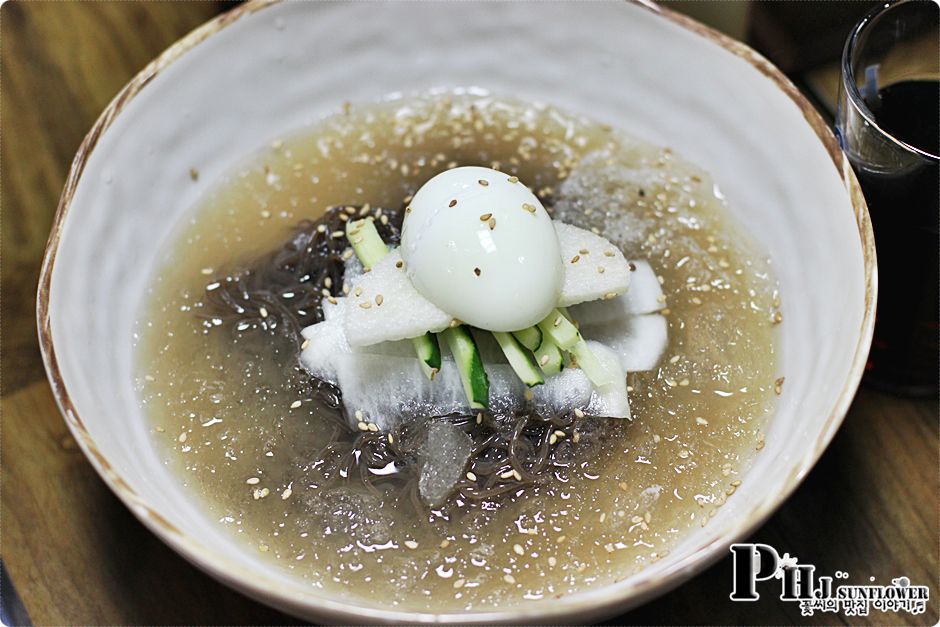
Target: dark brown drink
[{"x": 904, "y": 211}]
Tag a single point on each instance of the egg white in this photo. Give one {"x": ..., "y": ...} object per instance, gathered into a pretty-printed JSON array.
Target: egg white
[{"x": 480, "y": 246}]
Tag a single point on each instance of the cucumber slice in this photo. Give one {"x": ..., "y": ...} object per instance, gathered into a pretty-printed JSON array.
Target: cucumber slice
[
  {"x": 549, "y": 357},
  {"x": 589, "y": 364},
  {"x": 519, "y": 358},
  {"x": 366, "y": 241},
  {"x": 476, "y": 385},
  {"x": 428, "y": 351},
  {"x": 560, "y": 330},
  {"x": 531, "y": 337}
]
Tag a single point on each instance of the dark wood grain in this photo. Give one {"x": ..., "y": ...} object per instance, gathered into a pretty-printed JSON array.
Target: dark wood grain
[{"x": 78, "y": 556}]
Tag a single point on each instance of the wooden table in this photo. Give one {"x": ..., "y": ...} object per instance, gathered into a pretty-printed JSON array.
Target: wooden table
[{"x": 76, "y": 555}]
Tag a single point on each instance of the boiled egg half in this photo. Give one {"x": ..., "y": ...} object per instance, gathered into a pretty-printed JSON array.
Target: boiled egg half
[{"x": 479, "y": 245}]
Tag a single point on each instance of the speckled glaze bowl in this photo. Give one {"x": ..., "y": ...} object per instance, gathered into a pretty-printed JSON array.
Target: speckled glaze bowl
[{"x": 262, "y": 70}]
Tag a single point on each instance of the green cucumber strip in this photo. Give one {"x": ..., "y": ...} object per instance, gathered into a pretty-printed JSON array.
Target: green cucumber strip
[
  {"x": 519, "y": 358},
  {"x": 366, "y": 241},
  {"x": 531, "y": 337},
  {"x": 476, "y": 384},
  {"x": 429, "y": 354},
  {"x": 588, "y": 362},
  {"x": 560, "y": 330},
  {"x": 549, "y": 357}
]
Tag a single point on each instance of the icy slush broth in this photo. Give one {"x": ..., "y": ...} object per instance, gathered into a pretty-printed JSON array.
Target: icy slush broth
[{"x": 229, "y": 427}]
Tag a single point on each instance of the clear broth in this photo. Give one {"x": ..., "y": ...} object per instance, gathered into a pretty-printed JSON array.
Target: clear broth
[{"x": 226, "y": 428}]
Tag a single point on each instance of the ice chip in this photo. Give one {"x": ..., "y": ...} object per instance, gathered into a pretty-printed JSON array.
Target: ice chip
[{"x": 444, "y": 456}]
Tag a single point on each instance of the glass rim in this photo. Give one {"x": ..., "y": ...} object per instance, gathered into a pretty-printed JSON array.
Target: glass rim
[{"x": 848, "y": 77}]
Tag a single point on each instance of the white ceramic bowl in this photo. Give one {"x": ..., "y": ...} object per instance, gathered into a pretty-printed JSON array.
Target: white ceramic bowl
[{"x": 262, "y": 70}]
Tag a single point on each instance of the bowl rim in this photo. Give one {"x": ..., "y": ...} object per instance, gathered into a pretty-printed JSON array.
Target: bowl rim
[{"x": 265, "y": 588}]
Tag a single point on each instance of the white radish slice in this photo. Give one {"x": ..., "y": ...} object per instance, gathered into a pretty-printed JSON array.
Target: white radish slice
[
  {"x": 609, "y": 400},
  {"x": 645, "y": 295},
  {"x": 333, "y": 309},
  {"x": 383, "y": 305},
  {"x": 599, "y": 272},
  {"x": 639, "y": 341},
  {"x": 385, "y": 382}
]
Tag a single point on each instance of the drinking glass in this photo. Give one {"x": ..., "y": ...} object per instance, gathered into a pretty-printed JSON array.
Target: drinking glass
[{"x": 887, "y": 123}]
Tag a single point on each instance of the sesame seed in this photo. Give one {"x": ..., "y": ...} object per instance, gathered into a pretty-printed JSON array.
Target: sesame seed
[
  {"x": 411, "y": 544},
  {"x": 357, "y": 291},
  {"x": 610, "y": 295},
  {"x": 778, "y": 386},
  {"x": 253, "y": 481},
  {"x": 454, "y": 323},
  {"x": 390, "y": 438},
  {"x": 263, "y": 312},
  {"x": 491, "y": 223},
  {"x": 778, "y": 317},
  {"x": 263, "y": 548},
  {"x": 557, "y": 321},
  {"x": 295, "y": 404},
  {"x": 373, "y": 427},
  {"x": 509, "y": 579},
  {"x": 561, "y": 539},
  {"x": 471, "y": 476},
  {"x": 408, "y": 209},
  {"x": 379, "y": 299},
  {"x": 552, "y": 439},
  {"x": 513, "y": 179},
  {"x": 483, "y": 182},
  {"x": 452, "y": 203},
  {"x": 559, "y": 433},
  {"x": 600, "y": 269},
  {"x": 701, "y": 421},
  {"x": 518, "y": 477},
  {"x": 506, "y": 475},
  {"x": 485, "y": 217},
  {"x": 459, "y": 583},
  {"x": 518, "y": 550},
  {"x": 544, "y": 360},
  {"x": 528, "y": 207},
  {"x": 480, "y": 418},
  {"x": 603, "y": 516},
  {"x": 265, "y": 214},
  {"x": 684, "y": 453},
  {"x": 337, "y": 234},
  {"x": 575, "y": 259},
  {"x": 305, "y": 344},
  {"x": 362, "y": 426},
  {"x": 609, "y": 253},
  {"x": 366, "y": 305},
  {"x": 578, "y": 413}
]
